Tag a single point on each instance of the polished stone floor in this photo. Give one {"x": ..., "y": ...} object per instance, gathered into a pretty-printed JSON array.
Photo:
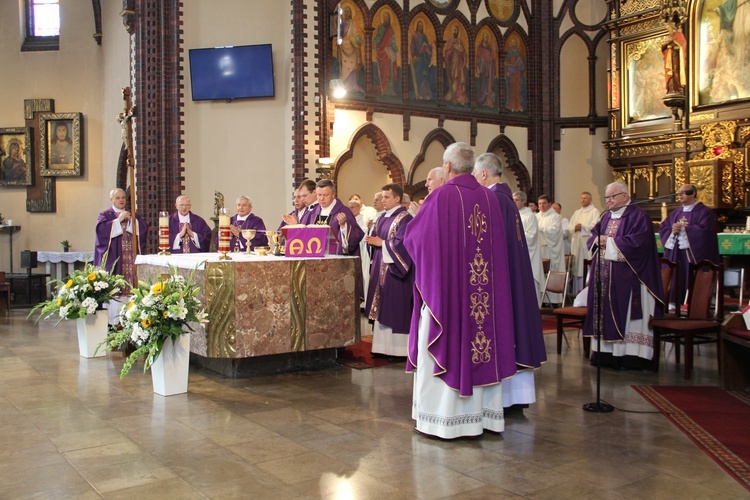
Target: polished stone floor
[{"x": 69, "y": 427}]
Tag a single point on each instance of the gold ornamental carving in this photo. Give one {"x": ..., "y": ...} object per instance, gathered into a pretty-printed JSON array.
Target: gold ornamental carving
[
  {"x": 680, "y": 176},
  {"x": 221, "y": 342},
  {"x": 645, "y": 25},
  {"x": 679, "y": 145},
  {"x": 739, "y": 170},
  {"x": 664, "y": 170},
  {"x": 620, "y": 177},
  {"x": 726, "y": 182},
  {"x": 633, "y": 6},
  {"x": 744, "y": 133},
  {"x": 718, "y": 134},
  {"x": 702, "y": 117},
  {"x": 641, "y": 172},
  {"x": 703, "y": 177},
  {"x": 646, "y": 149},
  {"x": 634, "y": 51},
  {"x": 298, "y": 303}
]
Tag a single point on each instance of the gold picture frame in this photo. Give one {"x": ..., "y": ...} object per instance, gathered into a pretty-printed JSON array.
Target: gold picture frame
[
  {"x": 60, "y": 144},
  {"x": 643, "y": 82},
  {"x": 16, "y": 166}
]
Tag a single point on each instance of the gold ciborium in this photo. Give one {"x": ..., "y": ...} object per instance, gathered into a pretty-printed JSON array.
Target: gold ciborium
[
  {"x": 274, "y": 239},
  {"x": 248, "y": 234}
]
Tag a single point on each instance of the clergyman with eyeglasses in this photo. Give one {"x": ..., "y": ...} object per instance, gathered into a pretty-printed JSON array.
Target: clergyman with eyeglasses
[
  {"x": 626, "y": 263},
  {"x": 689, "y": 235}
]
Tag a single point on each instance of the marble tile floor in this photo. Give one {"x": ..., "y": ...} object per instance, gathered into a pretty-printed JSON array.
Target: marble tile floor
[{"x": 70, "y": 428}]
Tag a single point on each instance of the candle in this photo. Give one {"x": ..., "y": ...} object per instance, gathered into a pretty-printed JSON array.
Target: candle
[
  {"x": 163, "y": 233},
  {"x": 663, "y": 210},
  {"x": 224, "y": 234},
  {"x": 747, "y": 223}
]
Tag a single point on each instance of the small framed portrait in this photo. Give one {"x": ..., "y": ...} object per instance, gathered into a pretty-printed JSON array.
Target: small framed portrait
[
  {"x": 60, "y": 144},
  {"x": 16, "y": 167}
]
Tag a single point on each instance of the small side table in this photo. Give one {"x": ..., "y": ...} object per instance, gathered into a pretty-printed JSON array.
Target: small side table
[
  {"x": 9, "y": 230},
  {"x": 59, "y": 264}
]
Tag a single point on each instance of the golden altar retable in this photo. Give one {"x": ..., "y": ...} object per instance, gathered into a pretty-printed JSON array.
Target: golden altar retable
[{"x": 267, "y": 305}]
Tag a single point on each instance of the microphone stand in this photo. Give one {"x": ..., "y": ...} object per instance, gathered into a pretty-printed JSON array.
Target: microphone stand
[{"x": 598, "y": 406}]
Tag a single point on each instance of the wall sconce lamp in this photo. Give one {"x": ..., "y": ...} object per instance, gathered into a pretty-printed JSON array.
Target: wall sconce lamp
[{"x": 324, "y": 168}]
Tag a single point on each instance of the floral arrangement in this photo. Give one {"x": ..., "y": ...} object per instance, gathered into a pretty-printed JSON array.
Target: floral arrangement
[
  {"x": 85, "y": 291},
  {"x": 157, "y": 312}
]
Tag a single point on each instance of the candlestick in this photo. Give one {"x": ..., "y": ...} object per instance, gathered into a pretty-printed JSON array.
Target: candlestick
[
  {"x": 224, "y": 234},
  {"x": 163, "y": 233}
]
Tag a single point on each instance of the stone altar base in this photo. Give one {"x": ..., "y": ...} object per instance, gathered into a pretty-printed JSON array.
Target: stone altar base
[{"x": 259, "y": 366}]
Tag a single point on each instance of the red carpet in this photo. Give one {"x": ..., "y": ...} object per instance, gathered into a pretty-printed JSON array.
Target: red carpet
[
  {"x": 714, "y": 419},
  {"x": 359, "y": 356}
]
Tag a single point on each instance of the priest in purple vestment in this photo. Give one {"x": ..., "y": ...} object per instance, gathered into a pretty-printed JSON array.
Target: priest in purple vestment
[
  {"x": 530, "y": 349},
  {"x": 245, "y": 219},
  {"x": 461, "y": 341},
  {"x": 689, "y": 235},
  {"x": 309, "y": 199},
  {"x": 188, "y": 233},
  {"x": 114, "y": 237},
  {"x": 389, "y": 296},
  {"x": 299, "y": 204},
  {"x": 332, "y": 212},
  {"x": 626, "y": 264}
]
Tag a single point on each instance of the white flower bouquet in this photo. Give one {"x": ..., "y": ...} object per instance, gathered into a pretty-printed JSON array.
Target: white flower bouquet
[
  {"x": 158, "y": 312},
  {"x": 85, "y": 291}
]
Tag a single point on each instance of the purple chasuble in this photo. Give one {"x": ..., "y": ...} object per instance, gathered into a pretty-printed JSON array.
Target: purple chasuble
[
  {"x": 389, "y": 298},
  {"x": 197, "y": 225},
  {"x": 354, "y": 232},
  {"x": 114, "y": 247},
  {"x": 634, "y": 235},
  {"x": 252, "y": 222},
  {"x": 457, "y": 243},
  {"x": 702, "y": 235},
  {"x": 307, "y": 216},
  {"x": 530, "y": 349}
]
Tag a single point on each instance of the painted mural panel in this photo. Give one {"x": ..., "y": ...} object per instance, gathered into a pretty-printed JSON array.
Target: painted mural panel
[
  {"x": 515, "y": 75},
  {"x": 645, "y": 80},
  {"x": 386, "y": 53},
  {"x": 456, "y": 61},
  {"x": 486, "y": 71},
  {"x": 422, "y": 59},
  {"x": 348, "y": 47},
  {"x": 723, "y": 51}
]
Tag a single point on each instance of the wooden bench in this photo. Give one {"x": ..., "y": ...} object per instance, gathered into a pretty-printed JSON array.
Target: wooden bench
[{"x": 734, "y": 353}]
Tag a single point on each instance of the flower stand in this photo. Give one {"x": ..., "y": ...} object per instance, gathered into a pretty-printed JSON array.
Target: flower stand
[
  {"x": 92, "y": 329},
  {"x": 169, "y": 373}
]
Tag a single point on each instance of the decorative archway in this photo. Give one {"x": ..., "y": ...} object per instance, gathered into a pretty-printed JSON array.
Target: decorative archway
[
  {"x": 436, "y": 135},
  {"x": 382, "y": 149},
  {"x": 514, "y": 164}
]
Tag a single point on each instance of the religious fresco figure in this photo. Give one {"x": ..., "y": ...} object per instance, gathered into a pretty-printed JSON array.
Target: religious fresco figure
[
  {"x": 486, "y": 72},
  {"x": 456, "y": 60},
  {"x": 515, "y": 76},
  {"x": 349, "y": 51},
  {"x": 724, "y": 51},
  {"x": 385, "y": 47},
  {"x": 14, "y": 167},
  {"x": 420, "y": 53}
]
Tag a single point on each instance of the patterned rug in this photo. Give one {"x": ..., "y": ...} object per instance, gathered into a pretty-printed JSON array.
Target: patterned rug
[{"x": 714, "y": 419}]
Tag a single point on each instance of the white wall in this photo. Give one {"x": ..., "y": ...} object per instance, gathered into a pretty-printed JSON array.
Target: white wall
[{"x": 243, "y": 147}]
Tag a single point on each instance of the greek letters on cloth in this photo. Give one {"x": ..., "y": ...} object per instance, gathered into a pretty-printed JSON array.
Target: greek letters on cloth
[{"x": 457, "y": 243}]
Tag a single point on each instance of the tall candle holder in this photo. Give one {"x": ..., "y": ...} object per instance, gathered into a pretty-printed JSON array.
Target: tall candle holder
[
  {"x": 163, "y": 233},
  {"x": 224, "y": 234}
]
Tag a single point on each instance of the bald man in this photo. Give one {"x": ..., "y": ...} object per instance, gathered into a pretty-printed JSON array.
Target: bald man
[{"x": 188, "y": 233}]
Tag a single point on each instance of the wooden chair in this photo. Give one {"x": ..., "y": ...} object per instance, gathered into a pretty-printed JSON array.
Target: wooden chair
[
  {"x": 734, "y": 279},
  {"x": 700, "y": 326},
  {"x": 557, "y": 282},
  {"x": 669, "y": 270},
  {"x": 734, "y": 354},
  {"x": 572, "y": 316},
  {"x": 4, "y": 293}
]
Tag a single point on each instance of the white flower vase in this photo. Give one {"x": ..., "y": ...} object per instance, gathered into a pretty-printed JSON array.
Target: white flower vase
[
  {"x": 92, "y": 330},
  {"x": 169, "y": 373}
]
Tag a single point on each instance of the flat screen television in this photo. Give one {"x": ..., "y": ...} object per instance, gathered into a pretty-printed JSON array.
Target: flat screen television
[{"x": 234, "y": 72}]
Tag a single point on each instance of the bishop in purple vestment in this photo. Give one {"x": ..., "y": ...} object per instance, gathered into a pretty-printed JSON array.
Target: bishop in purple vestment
[
  {"x": 245, "y": 219},
  {"x": 629, "y": 276},
  {"x": 389, "y": 297},
  {"x": 114, "y": 237},
  {"x": 689, "y": 235},
  {"x": 462, "y": 338},
  {"x": 332, "y": 212},
  {"x": 188, "y": 233}
]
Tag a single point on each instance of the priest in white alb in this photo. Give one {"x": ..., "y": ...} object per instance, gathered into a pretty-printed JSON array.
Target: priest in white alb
[
  {"x": 551, "y": 239},
  {"x": 581, "y": 223}
]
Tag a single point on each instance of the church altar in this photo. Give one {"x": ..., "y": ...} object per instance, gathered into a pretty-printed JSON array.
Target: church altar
[
  {"x": 264, "y": 306},
  {"x": 729, "y": 243},
  {"x": 61, "y": 264}
]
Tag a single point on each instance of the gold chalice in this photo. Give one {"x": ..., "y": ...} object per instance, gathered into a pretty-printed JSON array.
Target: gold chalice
[
  {"x": 248, "y": 234},
  {"x": 273, "y": 241}
]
